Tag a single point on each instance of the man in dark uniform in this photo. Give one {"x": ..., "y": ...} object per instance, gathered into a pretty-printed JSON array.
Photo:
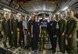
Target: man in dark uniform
[
  {"x": 71, "y": 33},
  {"x": 43, "y": 25},
  {"x": 1, "y": 36},
  {"x": 10, "y": 32},
  {"x": 52, "y": 33},
  {"x": 30, "y": 22},
  {"x": 35, "y": 29},
  {"x": 14, "y": 29},
  {"x": 76, "y": 15},
  {"x": 62, "y": 28},
  {"x": 21, "y": 37},
  {"x": 5, "y": 30}
]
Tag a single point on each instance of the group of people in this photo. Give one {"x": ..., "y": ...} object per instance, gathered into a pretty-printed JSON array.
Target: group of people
[{"x": 31, "y": 33}]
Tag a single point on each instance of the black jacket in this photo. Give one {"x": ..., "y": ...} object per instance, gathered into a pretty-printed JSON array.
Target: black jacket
[{"x": 51, "y": 28}]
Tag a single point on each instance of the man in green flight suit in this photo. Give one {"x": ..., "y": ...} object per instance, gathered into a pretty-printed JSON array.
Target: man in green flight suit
[
  {"x": 71, "y": 33},
  {"x": 62, "y": 26},
  {"x": 14, "y": 30},
  {"x": 5, "y": 30}
]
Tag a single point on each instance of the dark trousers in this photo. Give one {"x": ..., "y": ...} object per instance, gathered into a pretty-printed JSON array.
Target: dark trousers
[
  {"x": 6, "y": 37},
  {"x": 35, "y": 41},
  {"x": 14, "y": 39},
  {"x": 29, "y": 40},
  {"x": 10, "y": 39},
  {"x": 1, "y": 36},
  {"x": 77, "y": 33},
  {"x": 53, "y": 40},
  {"x": 21, "y": 39}
]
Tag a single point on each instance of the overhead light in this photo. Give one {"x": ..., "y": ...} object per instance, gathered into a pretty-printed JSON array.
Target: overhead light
[
  {"x": 35, "y": 9},
  {"x": 44, "y": 7},
  {"x": 58, "y": 13},
  {"x": 6, "y": 9},
  {"x": 19, "y": 14},
  {"x": 34, "y": 13},
  {"x": 65, "y": 8}
]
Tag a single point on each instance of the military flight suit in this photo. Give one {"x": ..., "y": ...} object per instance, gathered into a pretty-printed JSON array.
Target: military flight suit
[
  {"x": 5, "y": 29},
  {"x": 1, "y": 36},
  {"x": 14, "y": 29},
  {"x": 71, "y": 36},
  {"x": 61, "y": 38},
  {"x": 10, "y": 35},
  {"x": 43, "y": 24}
]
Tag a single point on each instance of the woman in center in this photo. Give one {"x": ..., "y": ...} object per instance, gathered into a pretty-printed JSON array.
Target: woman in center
[{"x": 35, "y": 30}]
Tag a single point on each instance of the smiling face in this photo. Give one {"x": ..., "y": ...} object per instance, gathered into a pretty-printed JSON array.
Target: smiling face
[
  {"x": 52, "y": 17},
  {"x": 27, "y": 18},
  {"x": 71, "y": 14}
]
